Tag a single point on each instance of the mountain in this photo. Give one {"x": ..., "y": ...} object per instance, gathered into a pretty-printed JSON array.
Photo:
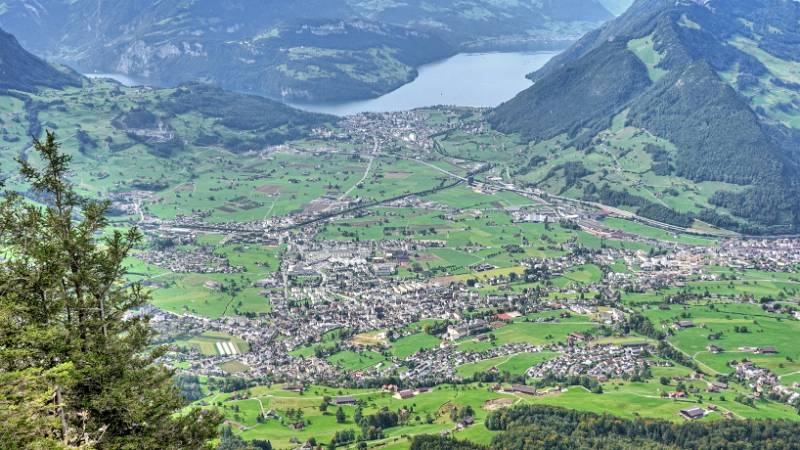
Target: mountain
[
  {"x": 21, "y": 71},
  {"x": 320, "y": 59},
  {"x": 475, "y": 25},
  {"x": 296, "y": 50},
  {"x": 616, "y": 7},
  {"x": 105, "y": 118},
  {"x": 707, "y": 91}
]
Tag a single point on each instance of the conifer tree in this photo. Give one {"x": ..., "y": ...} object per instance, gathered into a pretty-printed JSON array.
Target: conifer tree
[{"x": 76, "y": 369}]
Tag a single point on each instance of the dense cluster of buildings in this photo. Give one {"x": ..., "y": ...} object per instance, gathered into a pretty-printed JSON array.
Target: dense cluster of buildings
[
  {"x": 602, "y": 362},
  {"x": 202, "y": 260},
  {"x": 440, "y": 364},
  {"x": 360, "y": 286},
  {"x": 765, "y": 383}
]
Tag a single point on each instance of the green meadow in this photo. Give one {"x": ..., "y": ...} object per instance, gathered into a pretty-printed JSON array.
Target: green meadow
[
  {"x": 514, "y": 364},
  {"x": 724, "y": 319},
  {"x": 408, "y": 345}
]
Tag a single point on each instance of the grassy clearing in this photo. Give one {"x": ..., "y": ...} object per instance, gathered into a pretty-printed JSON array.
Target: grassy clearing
[
  {"x": 356, "y": 361},
  {"x": 206, "y": 343},
  {"x": 189, "y": 293},
  {"x": 763, "y": 330},
  {"x": 234, "y": 367},
  {"x": 408, "y": 345},
  {"x": 644, "y": 49},
  {"x": 514, "y": 364},
  {"x": 528, "y": 332}
]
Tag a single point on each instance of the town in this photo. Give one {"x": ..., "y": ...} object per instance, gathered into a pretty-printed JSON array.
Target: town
[{"x": 466, "y": 277}]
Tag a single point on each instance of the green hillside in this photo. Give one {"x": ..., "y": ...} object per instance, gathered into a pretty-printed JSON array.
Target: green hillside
[
  {"x": 700, "y": 79},
  {"x": 129, "y": 138}
]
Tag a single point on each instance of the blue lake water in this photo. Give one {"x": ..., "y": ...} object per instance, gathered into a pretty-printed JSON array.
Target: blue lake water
[
  {"x": 120, "y": 78},
  {"x": 467, "y": 79}
]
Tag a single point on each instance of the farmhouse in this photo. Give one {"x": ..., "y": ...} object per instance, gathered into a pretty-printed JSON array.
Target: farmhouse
[
  {"x": 523, "y": 389},
  {"x": 693, "y": 413},
  {"x": 717, "y": 386},
  {"x": 404, "y": 394},
  {"x": 575, "y": 336},
  {"x": 508, "y": 315},
  {"x": 344, "y": 400},
  {"x": 465, "y": 422},
  {"x": 766, "y": 351},
  {"x": 682, "y": 324},
  {"x": 483, "y": 267}
]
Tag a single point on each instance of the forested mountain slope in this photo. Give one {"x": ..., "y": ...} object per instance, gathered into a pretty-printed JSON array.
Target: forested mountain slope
[
  {"x": 20, "y": 70},
  {"x": 297, "y": 50},
  {"x": 716, "y": 80}
]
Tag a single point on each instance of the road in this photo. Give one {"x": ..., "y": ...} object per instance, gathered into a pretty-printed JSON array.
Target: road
[{"x": 363, "y": 179}]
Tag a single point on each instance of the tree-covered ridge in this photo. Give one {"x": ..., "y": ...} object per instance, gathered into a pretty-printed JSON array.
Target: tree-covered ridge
[
  {"x": 707, "y": 81},
  {"x": 20, "y": 70},
  {"x": 428, "y": 442},
  {"x": 75, "y": 362},
  {"x": 304, "y": 50},
  {"x": 272, "y": 121},
  {"x": 584, "y": 95}
]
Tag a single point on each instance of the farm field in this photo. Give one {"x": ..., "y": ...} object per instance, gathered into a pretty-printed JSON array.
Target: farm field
[
  {"x": 514, "y": 364},
  {"x": 356, "y": 361},
  {"x": 657, "y": 233},
  {"x": 435, "y": 403},
  {"x": 738, "y": 326},
  {"x": 207, "y": 342},
  {"x": 527, "y": 332},
  {"x": 191, "y": 293},
  {"x": 408, "y": 345}
]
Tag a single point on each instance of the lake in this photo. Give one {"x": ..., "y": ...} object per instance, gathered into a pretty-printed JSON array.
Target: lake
[
  {"x": 466, "y": 79},
  {"x": 125, "y": 80}
]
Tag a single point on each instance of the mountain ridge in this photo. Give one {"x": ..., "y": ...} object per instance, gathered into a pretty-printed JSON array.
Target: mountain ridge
[
  {"x": 232, "y": 42},
  {"x": 22, "y": 71},
  {"x": 705, "y": 93}
]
